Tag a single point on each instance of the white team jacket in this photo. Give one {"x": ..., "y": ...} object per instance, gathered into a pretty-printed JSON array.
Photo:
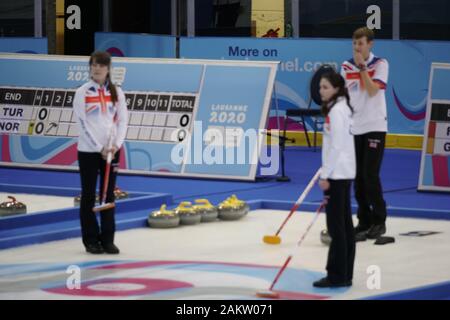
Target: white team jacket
[
  {"x": 338, "y": 147},
  {"x": 370, "y": 112},
  {"x": 98, "y": 117}
]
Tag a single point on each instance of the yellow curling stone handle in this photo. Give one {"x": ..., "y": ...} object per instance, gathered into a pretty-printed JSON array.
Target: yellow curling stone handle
[
  {"x": 203, "y": 203},
  {"x": 163, "y": 210},
  {"x": 234, "y": 199},
  {"x": 185, "y": 207}
]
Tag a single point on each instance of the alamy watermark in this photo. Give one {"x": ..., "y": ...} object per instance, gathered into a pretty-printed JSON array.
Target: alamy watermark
[
  {"x": 374, "y": 20},
  {"x": 218, "y": 145},
  {"x": 73, "y": 281},
  {"x": 374, "y": 279}
]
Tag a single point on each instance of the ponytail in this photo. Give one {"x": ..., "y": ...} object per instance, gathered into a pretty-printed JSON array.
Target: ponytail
[{"x": 112, "y": 89}]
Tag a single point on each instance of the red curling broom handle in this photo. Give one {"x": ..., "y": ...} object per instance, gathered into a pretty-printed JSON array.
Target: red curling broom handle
[
  {"x": 300, "y": 200},
  {"x": 298, "y": 244},
  {"x": 106, "y": 179},
  {"x": 280, "y": 272}
]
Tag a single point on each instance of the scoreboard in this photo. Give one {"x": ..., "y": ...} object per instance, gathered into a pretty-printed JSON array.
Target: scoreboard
[
  {"x": 167, "y": 101},
  {"x": 435, "y": 162},
  {"x": 159, "y": 117},
  {"x": 153, "y": 116},
  {"x": 27, "y": 111}
]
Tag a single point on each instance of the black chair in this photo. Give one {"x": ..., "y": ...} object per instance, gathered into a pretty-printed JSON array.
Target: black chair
[{"x": 315, "y": 113}]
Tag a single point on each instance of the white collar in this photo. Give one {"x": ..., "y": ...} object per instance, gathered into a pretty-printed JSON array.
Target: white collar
[
  {"x": 370, "y": 58},
  {"x": 97, "y": 85}
]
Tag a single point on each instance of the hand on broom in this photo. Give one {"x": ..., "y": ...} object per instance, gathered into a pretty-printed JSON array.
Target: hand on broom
[
  {"x": 106, "y": 150},
  {"x": 324, "y": 184},
  {"x": 107, "y": 154}
]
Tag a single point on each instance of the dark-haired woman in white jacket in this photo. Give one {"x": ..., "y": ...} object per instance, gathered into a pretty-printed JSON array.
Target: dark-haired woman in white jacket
[
  {"x": 101, "y": 110},
  {"x": 338, "y": 171}
]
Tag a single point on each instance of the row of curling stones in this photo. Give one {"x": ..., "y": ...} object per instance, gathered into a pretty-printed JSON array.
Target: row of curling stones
[
  {"x": 118, "y": 194},
  {"x": 12, "y": 207},
  {"x": 185, "y": 213},
  {"x": 203, "y": 211}
]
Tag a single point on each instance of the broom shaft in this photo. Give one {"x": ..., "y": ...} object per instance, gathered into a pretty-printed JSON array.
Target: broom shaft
[
  {"x": 106, "y": 178},
  {"x": 280, "y": 272},
  {"x": 298, "y": 244},
  {"x": 311, "y": 224},
  {"x": 300, "y": 200}
]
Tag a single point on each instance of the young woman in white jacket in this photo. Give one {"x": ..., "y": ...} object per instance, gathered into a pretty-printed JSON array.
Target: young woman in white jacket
[
  {"x": 338, "y": 171},
  {"x": 102, "y": 114}
]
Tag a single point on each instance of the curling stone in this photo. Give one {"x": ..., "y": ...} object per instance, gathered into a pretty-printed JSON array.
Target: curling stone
[
  {"x": 325, "y": 237},
  {"x": 207, "y": 211},
  {"x": 12, "y": 207},
  {"x": 187, "y": 213},
  {"x": 163, "y": 218},
  {"x": 232, "y": 209},
  {"x": 77, "y": 200},
  {"x": 120, "y": 194}
]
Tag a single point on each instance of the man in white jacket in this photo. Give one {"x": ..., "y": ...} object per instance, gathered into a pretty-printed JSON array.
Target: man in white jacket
[{"x": 366, "y": 78}]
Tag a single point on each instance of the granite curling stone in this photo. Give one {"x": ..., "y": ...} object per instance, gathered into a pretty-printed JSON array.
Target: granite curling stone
[
  {"x": 188, "y": 214},
  {"x": 12, "y": 207},
  {"x": 325, "y": 237},
  {"x": 207, "y": 211},
  {"x": 163, "y": 218},
  {"x": 232, "y": 209},
  {"x": 120, "y": 194}
]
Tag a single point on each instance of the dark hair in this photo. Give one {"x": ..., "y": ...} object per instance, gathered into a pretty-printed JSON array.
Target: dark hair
[
  {"x": 104, "y": 58},
  {"x": 337, "y": 81},
  {"x": 364, "y": 32}
]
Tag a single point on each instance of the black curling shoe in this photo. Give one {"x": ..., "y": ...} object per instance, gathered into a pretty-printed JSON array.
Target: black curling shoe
[
  {"x": 361, "y": 236},
  {"x": 326, "y": 283},
  {"x": 111, "y": 248},
  {"x": 95, "y": 248},
  {"x": 376, "y": 231}
]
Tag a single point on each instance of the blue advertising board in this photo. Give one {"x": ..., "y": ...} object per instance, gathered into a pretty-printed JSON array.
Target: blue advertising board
[
  {"x": 409, "y": 68},
  {"x": 23, "y": 45}
]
